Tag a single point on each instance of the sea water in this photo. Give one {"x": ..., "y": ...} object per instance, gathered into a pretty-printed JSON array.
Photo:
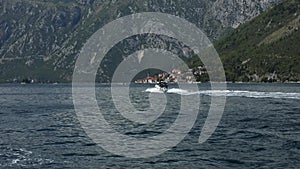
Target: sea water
[{"x": 260, "y": 128}]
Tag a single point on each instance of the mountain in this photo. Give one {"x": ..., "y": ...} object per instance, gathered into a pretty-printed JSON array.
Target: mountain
[
  {"x": 265, "y": 49},
  {"x": 41, "y": 39}
]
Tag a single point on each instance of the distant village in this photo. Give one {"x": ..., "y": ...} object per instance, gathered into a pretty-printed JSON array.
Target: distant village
[
  {"x": 198, "y": 74},
  {"x": 177, "y": 75}
]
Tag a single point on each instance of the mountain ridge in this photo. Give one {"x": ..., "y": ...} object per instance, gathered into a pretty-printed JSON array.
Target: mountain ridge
[{"x": 42, "y": 39}]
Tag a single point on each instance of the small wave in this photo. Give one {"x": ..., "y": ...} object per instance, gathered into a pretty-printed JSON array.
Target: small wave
[
  {"x": 11, "y": 157},
  {"x": 231, "y": 93},
  {"x": 233, "y": 161},
  {"x": 80, "y": 154}
]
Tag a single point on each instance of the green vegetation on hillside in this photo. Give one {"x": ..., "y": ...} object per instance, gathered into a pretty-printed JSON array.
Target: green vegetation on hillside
[{"x": 265, "y": 49}]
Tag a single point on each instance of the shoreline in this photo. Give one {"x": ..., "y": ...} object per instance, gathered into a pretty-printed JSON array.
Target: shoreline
[{"x": 227, "y": 82}]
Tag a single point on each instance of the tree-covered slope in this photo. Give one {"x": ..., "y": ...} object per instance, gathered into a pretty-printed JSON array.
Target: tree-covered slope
[{"x": 265, "y": 49}]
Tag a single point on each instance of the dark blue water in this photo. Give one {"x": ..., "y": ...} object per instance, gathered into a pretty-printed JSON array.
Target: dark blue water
[{"x": 260, "y": 128}]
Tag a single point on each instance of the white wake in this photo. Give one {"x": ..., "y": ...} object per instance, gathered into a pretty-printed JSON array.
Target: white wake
[{"x": 230, "y": 93}]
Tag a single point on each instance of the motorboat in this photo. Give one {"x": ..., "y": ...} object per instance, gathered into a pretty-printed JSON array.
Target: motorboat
[{"x": 162, "y": 86}]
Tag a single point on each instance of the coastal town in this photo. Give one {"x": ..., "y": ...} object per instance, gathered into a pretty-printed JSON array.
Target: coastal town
[{"x": 198, "y": 74}]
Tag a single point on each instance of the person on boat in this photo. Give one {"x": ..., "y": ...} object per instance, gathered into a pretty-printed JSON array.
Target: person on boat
[{"x": 163, "y": 84}]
